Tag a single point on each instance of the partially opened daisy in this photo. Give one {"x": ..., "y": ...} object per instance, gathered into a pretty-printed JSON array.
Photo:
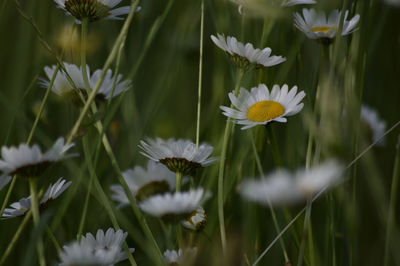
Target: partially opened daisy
[
  {"x": 144, "y": 182},
  {"x": 23, "y": 205},
  {"x": 283, "y": 187},
  {"x": 173, "y": 205},
  {"x": 63, "y": 87},
  {"x": 93, "y": 10},
  {"x": 259, "y": 106},
  {"x": 178, "y": 155},
  {"x": 196, "y": 220},
  {"x": 180, "y": 257},
  {"x": 29, "y": 161},
  {"x": 104, "y": 250},
  {"x": 317, "y": 26},
  {"x": 375, "y": 124},
  {"x": 245, "y": 55}
]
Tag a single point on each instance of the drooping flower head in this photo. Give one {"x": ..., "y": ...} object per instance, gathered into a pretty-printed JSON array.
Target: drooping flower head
[
  {"x": 104, "y": 250},
  {"x": 29, "y": 161},
  {"x": 282, "y": 187},
  {"x": 259, "y": 106},
  {"x": 178, "y": 155},
  {"x": 155, "y": 179},
  {"x": 63, "y": 87},
  {"x": 173, "y": 205},
  {"x": 316, "y": 26},
  {"x": 93, "y": 10},
  {"x": 196, "y": 221},
  {"x": 23, "y": 205},
  {"x": 244, "y": 55}
]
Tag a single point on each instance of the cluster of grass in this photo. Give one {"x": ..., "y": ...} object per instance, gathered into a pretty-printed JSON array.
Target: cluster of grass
[{"x": 159, "y": 51}]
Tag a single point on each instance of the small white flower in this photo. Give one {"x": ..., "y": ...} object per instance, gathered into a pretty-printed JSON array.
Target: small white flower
[
  {"x": 63, "y": 87},
  {"x": 317, "y": 26},
  {"x": 259, "y": 106},
  {"x": 104, "y": 250},
  {"x": 196, "y": 220},
  {"x": 93, "y": 10},
  {"x": 374, "y": 122},
  {"x": 178, "y": 155},
  {"x": 244, "y": 55},
  {"x": 4, "y": 180},
  {"x": 282, "y": 187},
  {"x": 156, "y": 178},
  {"x": 173, "y": 257},
  {"x": 23, "y": 205},
  {"x": 178, "y": 203},
  {"x": 27, "y": 161}
]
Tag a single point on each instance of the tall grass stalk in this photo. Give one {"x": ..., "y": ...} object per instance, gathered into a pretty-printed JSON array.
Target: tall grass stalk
[
  {"x": 228, "y": 128},
  {"x": 392, "y": 206}
]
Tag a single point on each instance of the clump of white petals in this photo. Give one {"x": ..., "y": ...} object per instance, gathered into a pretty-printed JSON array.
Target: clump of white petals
[
  {"x": 282, "y": 187},
  {"x": 104, "y": 250},
  {"x": 173, "y": 257},
  {"x": 196, "y": 220}
]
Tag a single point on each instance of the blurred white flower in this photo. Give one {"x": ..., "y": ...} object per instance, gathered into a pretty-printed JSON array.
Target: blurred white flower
[
  {"x": 173, "y": 257},
  {"x": 196, "y": 220},
  {"x": 63, "y": 87},
  {"x": 317, "y": 26},
  {"x": 155, "y": 179},
  {"x": 23, "y": 205},
  {"x": 259, "y": 106},
  {"x": 178, "y": 155},
  {"x": 245, "y": 56},
  {"x": 93, "y": 10},
  {"x": 176, "y": 204},
  {"x": 27, "y": 161},
  {"x": 282, "y": 187},
  {"x": 104, "y": 250},
  {"x": 375, "y": 123}
]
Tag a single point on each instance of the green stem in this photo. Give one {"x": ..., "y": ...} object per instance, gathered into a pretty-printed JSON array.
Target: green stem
[
  {"x": 228, "y": 128},
  {"x": 83, "y": 54},
  {"x": 200, "y": 74},
  {"x": 36, "y": 218},
  {"x": 178, "y": 181},
  {"x": 274, "y": 219},
  {"x": 306, "y": 229},
  {"x": 392, "y": 206},
  {"x": 53, "y": 239}
]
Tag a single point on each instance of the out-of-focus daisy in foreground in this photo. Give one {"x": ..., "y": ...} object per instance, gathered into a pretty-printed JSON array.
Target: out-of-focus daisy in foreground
[
  {"x": 104, "y": 250},
  {"x": 375, "y": 124},
  {"x": 180, "y": 155},
  {"x": 245, "y": 55},
  {"x": 63, "y": 87},
  {"x": 173, "y": 205},
  {"x": 29, "y": 161},
  {"x": 259, "y": 106},
  {"x": 93, "y": 10},
  {"x": 23, "y": 205},
  {"x": 316, "y": 25},
  {"x": 283, "y": 187},
  {"x": 155, "y": 179}
]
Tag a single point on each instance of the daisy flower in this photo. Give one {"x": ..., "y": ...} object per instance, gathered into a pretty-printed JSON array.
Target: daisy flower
[
  {"x": 155, "y": 179},
  {"x": 180, "y": 257},
  {"x": 283, "y": 187},
  {"x": 376, "y": 125},
  {"x": 259, "y": 106},
  {"x": 62, "y": 86},
  {"x": 317, "y": 26},
  {"x": 169, "y": 205},
  {"x": 244, "y": 55},
  {"x": 93, "y": 10},
  {"x": 178, "y": 155},
  {"x": 26, "y": 161},
  {"x": 104, "y": 250},
  {"x": 23, "y": 205},
  {"x": 196, "y": 220}
]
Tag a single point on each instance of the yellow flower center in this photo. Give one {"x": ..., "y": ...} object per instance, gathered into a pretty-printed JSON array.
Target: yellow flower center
[
  {"x": 264, "y": 111},
  {"x": 323, "y": 29}
]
